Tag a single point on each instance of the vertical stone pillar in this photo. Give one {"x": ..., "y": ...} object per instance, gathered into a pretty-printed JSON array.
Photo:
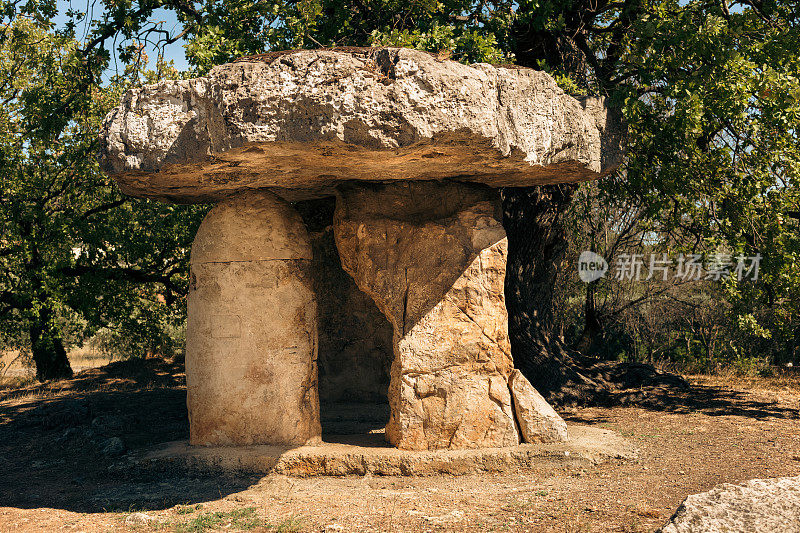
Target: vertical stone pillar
[
  {"x": 251, "y": 335},
  {"x": 432, "y": 256}
]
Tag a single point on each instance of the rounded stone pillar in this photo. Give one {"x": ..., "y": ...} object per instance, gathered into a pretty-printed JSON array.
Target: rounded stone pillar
[{"x": 251, "y": 335}]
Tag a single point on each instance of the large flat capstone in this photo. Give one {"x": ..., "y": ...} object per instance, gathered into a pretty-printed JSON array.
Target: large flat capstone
[{"x": 302, "y": 122}]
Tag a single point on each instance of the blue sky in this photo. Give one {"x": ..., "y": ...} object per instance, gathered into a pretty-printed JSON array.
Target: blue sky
[{"x": 174, "y": 52}]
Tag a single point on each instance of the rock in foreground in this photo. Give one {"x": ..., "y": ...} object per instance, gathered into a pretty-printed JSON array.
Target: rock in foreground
[
  {"x": 759, "y": 505},
  {"x": 538, "y": 421}
]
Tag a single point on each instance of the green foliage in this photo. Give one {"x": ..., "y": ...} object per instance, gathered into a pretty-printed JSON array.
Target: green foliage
[
  {"x": 710, "y": 92},
  {"x": 714, "y": 151},
  {"x": 75, "y": 255},
  {"x": 235, "y": 28},
  {"x": 710, "y": 95},
  {"x": 461, "y": 45}
]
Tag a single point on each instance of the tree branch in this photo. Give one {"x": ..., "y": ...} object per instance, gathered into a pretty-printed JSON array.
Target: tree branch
[{"x": 104, "y": 207}]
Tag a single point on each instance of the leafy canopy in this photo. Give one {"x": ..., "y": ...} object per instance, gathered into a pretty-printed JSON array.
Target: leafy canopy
[{"x": 709, "y": 89}]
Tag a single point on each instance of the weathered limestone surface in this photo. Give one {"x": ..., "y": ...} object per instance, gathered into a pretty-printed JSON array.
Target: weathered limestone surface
[
  {"x": 538, "y": 421},
  {"x": 432, "y": 256},
  {"x": 757, "y": 506},
  {"x": 589, "y": 446},
  {"x": 251, "y": 338},
  {"x": 302, "y": 122},
  {"x": 610, "y": 125}
]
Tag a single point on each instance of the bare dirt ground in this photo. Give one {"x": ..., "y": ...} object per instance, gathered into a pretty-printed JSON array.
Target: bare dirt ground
[{"x": 61, "y": 468}]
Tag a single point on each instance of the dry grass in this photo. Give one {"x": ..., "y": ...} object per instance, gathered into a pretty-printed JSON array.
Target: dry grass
[
  {"x": 785, "y": 382},
  {"x": 16, "y": 371}
]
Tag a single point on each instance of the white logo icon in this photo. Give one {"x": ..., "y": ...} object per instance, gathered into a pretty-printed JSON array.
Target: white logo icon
[{"x": 591, "y": 266}]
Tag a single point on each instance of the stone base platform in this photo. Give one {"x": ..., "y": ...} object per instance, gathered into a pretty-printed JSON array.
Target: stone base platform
[{"x": 369, "y": 454}]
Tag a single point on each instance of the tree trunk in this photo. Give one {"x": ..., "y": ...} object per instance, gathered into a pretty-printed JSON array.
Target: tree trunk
[
  {"x": 592, "y": 327},
  {"x": 48, "y": 351},
  {"x": 533, "y": 220}
]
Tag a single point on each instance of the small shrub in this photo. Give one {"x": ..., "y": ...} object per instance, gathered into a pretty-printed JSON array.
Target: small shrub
[
  {"x": 238, "y": 519},
  {"x": 187, "y": 509}
]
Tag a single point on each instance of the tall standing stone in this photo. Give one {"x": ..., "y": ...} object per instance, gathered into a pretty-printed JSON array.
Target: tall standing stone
[
  {"x": 251, "y": 339},
  {"x": 432, "y": 256}
]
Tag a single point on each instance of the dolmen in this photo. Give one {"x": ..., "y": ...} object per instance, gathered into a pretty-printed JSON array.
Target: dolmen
[{"x": 410, "y": 153}]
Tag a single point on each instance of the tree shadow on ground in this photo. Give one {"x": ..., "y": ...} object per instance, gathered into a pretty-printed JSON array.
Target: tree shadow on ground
[
  {"x": 64, "y": 445},
  {"x": 715, "y": 401},
  {"x": 58, "y": 447},
  {"x": 641, "y": 386}
]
